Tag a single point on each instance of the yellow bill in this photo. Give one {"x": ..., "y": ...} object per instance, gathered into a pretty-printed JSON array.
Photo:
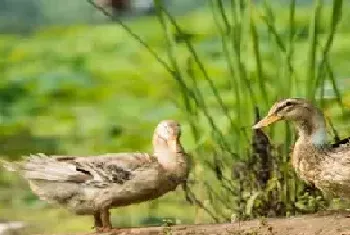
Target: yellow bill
[{"x": 268, "y": 120}]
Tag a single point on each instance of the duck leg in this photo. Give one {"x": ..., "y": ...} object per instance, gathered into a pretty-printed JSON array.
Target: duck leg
[
  {"x": 106, "y": 219},
  {"x": 97, "y": 220}
]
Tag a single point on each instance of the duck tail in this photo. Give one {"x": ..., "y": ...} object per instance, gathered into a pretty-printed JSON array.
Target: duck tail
[
  {"x": 43, "y": 167},
  {"x": 10, "y": 166}
]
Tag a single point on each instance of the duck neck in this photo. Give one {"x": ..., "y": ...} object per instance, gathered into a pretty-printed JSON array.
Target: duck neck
[
  {"x": 169, "y": 153},
  {"x": 312, "y": 130}
]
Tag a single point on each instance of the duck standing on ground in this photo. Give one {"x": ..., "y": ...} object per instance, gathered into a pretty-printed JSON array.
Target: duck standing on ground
[
  {"x": 313, "y": 158},
  {"x": 92, "y": 185}
]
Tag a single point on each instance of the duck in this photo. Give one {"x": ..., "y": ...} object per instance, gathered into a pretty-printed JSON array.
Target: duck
[
  {"x": 315, "y": 160},
  {"x": 92, "y": 185}
]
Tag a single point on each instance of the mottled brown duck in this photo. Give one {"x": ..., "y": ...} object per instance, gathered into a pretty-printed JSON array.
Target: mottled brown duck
[
  {"x": 313, "y": 158},
  {"x": 92, "y": 185}
]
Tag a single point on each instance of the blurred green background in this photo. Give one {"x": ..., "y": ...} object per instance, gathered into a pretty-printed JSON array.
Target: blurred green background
[{"x": 74, "y": 82}]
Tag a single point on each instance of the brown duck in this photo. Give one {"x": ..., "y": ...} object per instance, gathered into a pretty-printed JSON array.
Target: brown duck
[
  {"x": 92, "y": 185},
  {"x": 314, "y": 159}
]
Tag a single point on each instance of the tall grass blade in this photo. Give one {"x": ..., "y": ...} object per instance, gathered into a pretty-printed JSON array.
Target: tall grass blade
[
  {"x": 272, "y": 30},
  {"x": 290, "y": 51},
  {"x": 269, "y": 20},
  {"x": 224, "y": 16},
  {"x": 225, "y": 33},
  {"x": 131, "y": 33},
  {"x": 259, "y": 69},
  {"x": 312, "y": 52},
  {"x": 335, "y": 19},
  {"x": 239, "y": 10},
  {"x": 185, "y": 91},
  {"x": 334, "y": 85},
  {"x": 200, "y": 64},
  {"x": 291, "y": 22},
  {"x": 199, "y": 100}
]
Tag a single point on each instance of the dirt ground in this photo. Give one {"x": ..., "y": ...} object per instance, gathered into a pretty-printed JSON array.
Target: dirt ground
[{"x": 334, "y": 224}]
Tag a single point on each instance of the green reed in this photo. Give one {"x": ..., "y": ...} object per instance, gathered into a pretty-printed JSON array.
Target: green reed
[{"x": 260, "y": 58}]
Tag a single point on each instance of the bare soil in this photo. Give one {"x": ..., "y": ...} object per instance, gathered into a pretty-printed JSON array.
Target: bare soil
[{"x": 320, "y": 224}]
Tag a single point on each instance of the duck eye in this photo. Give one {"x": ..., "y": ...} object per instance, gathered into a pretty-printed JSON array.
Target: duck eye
[{"x": 288, "y": 103}]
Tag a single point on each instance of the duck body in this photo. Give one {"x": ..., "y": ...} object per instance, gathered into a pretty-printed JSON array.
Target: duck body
[
  {"x": 92, "y": 185},
  {"x": 313, "y": 158},
  {"x": 95, "y": 183},
  {"x": 326, "y": 167}
]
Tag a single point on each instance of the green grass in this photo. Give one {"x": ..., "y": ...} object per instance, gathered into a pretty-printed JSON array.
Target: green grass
[{"x": 94, "y": 89}]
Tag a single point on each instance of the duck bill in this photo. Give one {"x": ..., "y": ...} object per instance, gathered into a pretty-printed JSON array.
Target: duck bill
[{"x": 268, "y": 120}]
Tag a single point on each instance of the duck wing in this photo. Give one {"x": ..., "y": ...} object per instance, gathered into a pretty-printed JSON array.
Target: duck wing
[
  {"x": 335, "y": 170},
  {"x": 114, "y": 168}
]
